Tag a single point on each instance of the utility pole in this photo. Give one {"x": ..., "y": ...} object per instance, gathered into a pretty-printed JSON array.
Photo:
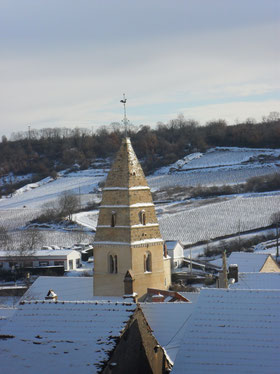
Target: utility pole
[
  {"x": 239, "y": 239},
  {"x": 277, "y": 240},
  {"x": 225, "y": 270},
  {"x": 80, "y": 198}
]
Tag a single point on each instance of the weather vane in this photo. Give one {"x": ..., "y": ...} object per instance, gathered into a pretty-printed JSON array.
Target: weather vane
[{"x": 124, "y": 114}]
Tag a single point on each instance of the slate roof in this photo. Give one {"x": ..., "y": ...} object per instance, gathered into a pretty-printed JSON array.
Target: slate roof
[
  {"x": 41, "y": 253},
  {"x": 171, "y": 244},
  {"x": 247, "y": 262},
  {"x": 192, "y": 296},
  {"x": 61, "y": 337},
  {"x": 168, "y": 321},
  {"x": 257, "y": 281},
  {"x": 232, "y": 331},
  {"x": 66, "y": 288}
]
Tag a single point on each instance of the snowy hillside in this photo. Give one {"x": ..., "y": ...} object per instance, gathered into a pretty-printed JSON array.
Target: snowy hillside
[
  {"x": 215, "y": 167},
  {"x": 190, "y": 225},
  {"x": 222, "y": 156}
]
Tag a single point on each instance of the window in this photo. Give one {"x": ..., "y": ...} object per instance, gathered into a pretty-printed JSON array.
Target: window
[
  {"x": 77, "y": 262},
  {"x": 147, "y": 262},
  {"x": 116, "y": 263},
  {"x": 43, "y": 263},
  {"x": 113, "y": 219},
  {"x": 59, "y": 263},
  {"x": 142, "y": 217},
  {"x": 113, "y": 264},
  {"x": 70, "y": 264},
  {"x": 28, "y": 264}
]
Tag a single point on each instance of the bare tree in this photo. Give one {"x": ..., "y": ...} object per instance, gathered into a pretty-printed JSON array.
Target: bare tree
[
  {"x": 81, "y": 235},
  {"x": 4, "y": 238},
  {"x": 68, "y": 203},
  {"x": 50, "y": 211},
  {"x": 30, "y": 240}
]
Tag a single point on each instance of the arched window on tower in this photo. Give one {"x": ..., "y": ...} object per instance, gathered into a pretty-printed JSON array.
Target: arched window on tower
[
  {"x": 113, "y": 219},
  {"x": 148, "y": 262},
  {"x": 142, "y": 217},
  {"x": 116, "y": 263},
  {"x": 113, "y": 264}
]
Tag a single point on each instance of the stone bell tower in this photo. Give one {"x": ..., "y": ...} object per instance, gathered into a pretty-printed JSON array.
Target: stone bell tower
[{"x": 128, "y": 248}]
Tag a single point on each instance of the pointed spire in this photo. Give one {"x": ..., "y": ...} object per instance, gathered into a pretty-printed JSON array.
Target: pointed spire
[{"x": 126, "y": 170}]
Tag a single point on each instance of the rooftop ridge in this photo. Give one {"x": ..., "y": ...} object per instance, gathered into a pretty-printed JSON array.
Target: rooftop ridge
[{"x": 92, "y": 302}]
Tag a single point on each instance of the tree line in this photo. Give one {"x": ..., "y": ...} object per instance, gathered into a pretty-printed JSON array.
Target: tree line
[{"x": 46, "y": 151}]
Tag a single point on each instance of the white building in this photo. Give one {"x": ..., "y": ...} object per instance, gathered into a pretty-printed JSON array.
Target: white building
[
  {"x": 68, "y": 258},
  {"x": 176, "y": 252}
]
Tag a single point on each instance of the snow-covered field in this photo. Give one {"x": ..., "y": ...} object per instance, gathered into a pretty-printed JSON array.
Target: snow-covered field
[
  {"x": 220, "y": 157},
  {"x": 217, "y": 167},
  {"x": 26, "y": 203},
  {"x": 207, "y": 222},
  {"x": 188, "y": 222}
]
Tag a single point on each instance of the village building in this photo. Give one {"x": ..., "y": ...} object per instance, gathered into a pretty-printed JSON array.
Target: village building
[
  {"x": 246, "y": 262},
  {"x": 231, "y": 331},
  {"x": 45, "y": 258},
  {"x": 129, "y": 251},
  {"x": 253, "y": 262},
  {"x": 175, "y": 250},
  {"x": 45, "y": 336},
  {"x": 256, "y": 281},
  {"x": 168, "y": 322}
]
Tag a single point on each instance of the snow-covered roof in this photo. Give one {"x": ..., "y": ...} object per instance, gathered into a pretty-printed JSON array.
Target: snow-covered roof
[
  {"x": 66, "y": 288},
  {"x": 171, "y": 244},
  {"x": 192, "y": 296},
  {"x": 168, "y": 321},
  {"x": 42, "y": 253},
  {"x": 257, "y": 281},
  {"x": 247, "y": 262},
  {"x": 62, "y": 337},
  {"x": 232, "y": 331}
]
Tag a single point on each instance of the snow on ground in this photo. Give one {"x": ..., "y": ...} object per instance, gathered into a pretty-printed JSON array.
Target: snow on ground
[
  {"x": 199, "y": 249},
  {"x": 268, "y": 247},
  {"x": 12, "y": 178},
  {"x": 58, "y": 237},
  {"x": 211, "y": 176},
  {"x": 32, "y": 186},
  {"x": 82, "y": 182},
  {"x": 177, "y": 221},
  {"x": 217, "y": 166},
  {"x": 217, "y": 219},
  {"x": 190, "y": 224},
  {"x": 87, "y": 219},
  {"x": 26, "y": 203},
  {"x": 219, "y": 157}
]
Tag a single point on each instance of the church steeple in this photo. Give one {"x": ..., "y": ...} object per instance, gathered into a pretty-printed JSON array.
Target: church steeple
[{"x": 128, "y": 237}]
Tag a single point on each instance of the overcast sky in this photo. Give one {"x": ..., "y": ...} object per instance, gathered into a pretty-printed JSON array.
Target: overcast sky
[{"x": 68, "y": 62}]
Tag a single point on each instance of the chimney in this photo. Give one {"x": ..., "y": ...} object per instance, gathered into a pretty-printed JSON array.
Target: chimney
[
  {"x": 51, "y": 295},
  {"x": 157, "y": 298},
  {"x": 233, "y": 272}
]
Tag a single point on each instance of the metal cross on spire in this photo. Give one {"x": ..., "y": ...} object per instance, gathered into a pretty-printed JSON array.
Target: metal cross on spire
[{"x": 125, "y": 121}]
